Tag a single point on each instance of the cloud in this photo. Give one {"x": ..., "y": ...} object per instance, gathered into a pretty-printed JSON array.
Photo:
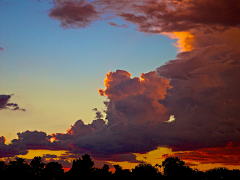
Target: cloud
[
  {"x": 114, "y": 24},
  {"x": 2, "y": 140},
  {"x": 200, "y": 87},
  {"x": 184, "y": 42},
  {"x": 228, "y": 155},
  {"x": 152, "y": 16},
  {"x": 1, "y": 49},
  {"x": 11, "y": 150},
  {"x": 168, "y": 16},
  {"x": 4, "y": 103},
  {"x": 49, "y": 156},
  {"x": 74, "y": 14},
  {"x": 134, "y": 98},
  {"x": 38, "y": 140},
  {"x": 129, "y": 157}
]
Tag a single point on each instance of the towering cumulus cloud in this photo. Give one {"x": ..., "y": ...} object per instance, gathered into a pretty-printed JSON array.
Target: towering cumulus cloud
[
  {"x": 134, "y": 100},
  {"x": 200, "y": 87}
]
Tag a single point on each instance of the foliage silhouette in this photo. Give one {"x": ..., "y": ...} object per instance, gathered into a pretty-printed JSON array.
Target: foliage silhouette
[
  {"x": 82, "y": 168},
  {"x": 144, "y": 170},
  {"x": 53, "y": 170},
  {"x": 119, "y": 172},
  {"x": 18, "y": 169},
  {"x": 175, "y": 168},
  {"x": 37, "y": 166}
]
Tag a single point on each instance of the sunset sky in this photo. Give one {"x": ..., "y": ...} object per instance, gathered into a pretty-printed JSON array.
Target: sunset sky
[{"x": 124, "y": 81}]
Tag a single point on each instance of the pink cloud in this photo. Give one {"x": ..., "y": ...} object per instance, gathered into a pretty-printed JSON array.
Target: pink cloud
[
  {"x": 114, "y": 24},
  {"x": 74, "y": 14}
]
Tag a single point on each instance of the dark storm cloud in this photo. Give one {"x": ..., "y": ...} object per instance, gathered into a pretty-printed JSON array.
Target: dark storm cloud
[
  {"x": 11, "y": 150},
  {"x": 38, "y": 140}
]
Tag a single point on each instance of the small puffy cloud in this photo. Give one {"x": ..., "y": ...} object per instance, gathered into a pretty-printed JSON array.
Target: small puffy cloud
[
  {"x": 1, "y": 49},
  {"x": 74, "y": 14}
]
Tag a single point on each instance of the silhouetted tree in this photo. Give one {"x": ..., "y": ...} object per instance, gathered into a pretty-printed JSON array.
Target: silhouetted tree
[
  {"x": 18, "y": 169},
  {"x": 81, "y": 167},
  {"x": 85, "y": 165},
  {"x": 103, "y": 172},
  {"x": 144, "y": 170},
  {"x": 172, "y": 166},
  {"x": 119, "y": 172},
  {"x": 37, "y": 166},
  {"x": 219, "y": 173},
  {"x": 3, "y": 167},
  {"x": 53, "y": 170}
]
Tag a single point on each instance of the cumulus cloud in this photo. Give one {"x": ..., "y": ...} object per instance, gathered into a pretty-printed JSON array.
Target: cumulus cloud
[
  {"x": 134, "y": 99},
  {"x": 1, "y": 49},
  {"x": 38, "y": 140},
  {"x": 11, "y": 150}
]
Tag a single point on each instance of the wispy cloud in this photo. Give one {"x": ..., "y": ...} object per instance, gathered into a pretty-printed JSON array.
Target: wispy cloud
[{"x": 4, "y": 103}]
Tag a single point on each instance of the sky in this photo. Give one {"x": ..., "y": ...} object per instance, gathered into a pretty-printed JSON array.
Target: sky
[{"x": 124, "y": 81}]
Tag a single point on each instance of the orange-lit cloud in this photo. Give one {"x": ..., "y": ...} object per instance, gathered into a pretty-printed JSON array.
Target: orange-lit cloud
[
  {"x": 184, "y": 42},
  {"x": 227, "y": 156},
  {"x": 134, "y": 99},
  {"x": 2, "y": 140}
]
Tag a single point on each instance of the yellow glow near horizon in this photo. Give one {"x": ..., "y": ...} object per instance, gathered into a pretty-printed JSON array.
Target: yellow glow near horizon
[{"x": 32, "y": 153}]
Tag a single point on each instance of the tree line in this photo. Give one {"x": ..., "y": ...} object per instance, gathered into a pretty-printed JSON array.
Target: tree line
[{"x": 172, "y": 168}]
